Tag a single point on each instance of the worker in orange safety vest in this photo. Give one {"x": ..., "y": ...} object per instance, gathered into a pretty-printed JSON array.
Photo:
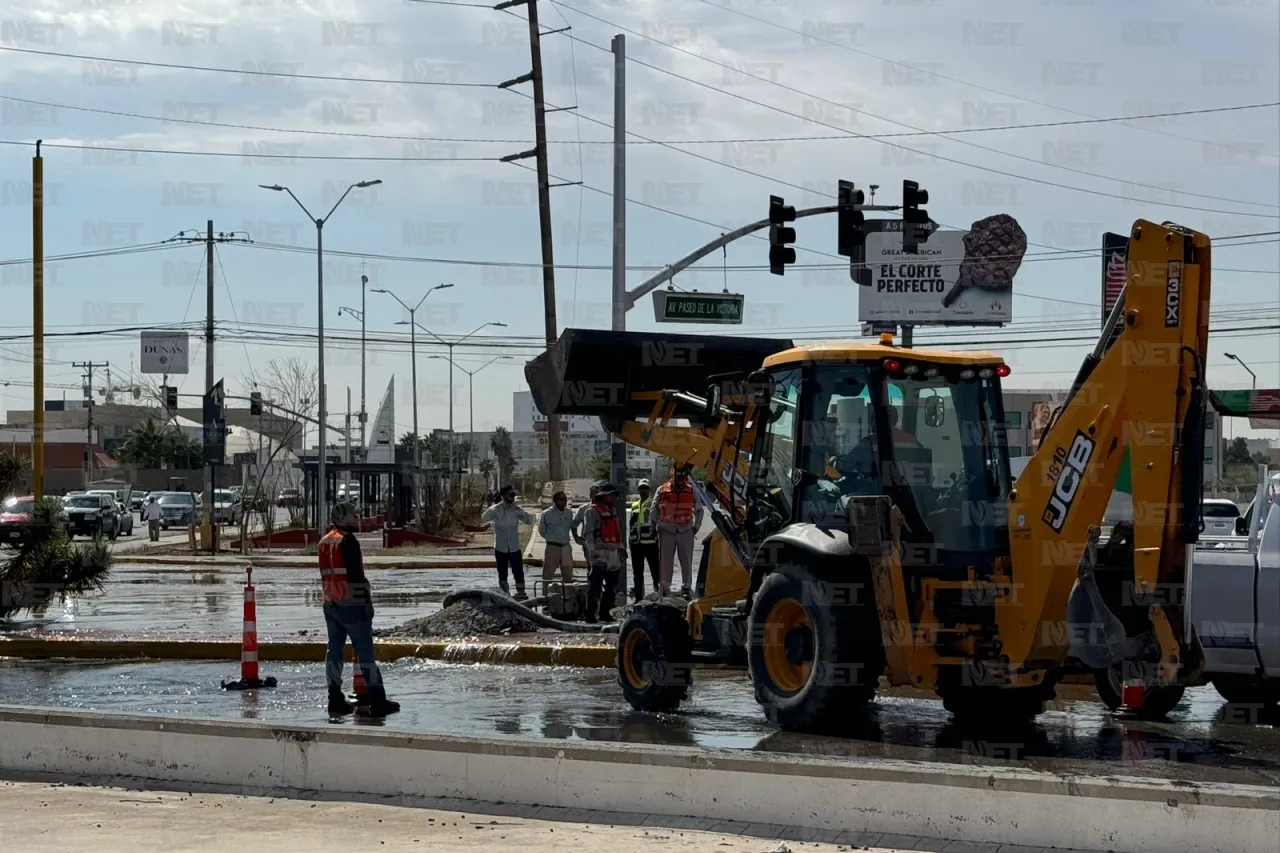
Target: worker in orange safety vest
[
  {"x": 679, "y": 518},
  {"x": 348, "y": 612}
]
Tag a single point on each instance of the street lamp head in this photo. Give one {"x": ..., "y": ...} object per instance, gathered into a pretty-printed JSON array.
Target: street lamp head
[
  {"x": 380, "y": 290},
  {"x": 442, "y": 286},
  {"x": 1231, "y": 356},
  {"x": 275, "y": 187},
  {"x": 503, "y": 325},
  {"x": 364, "y": 184}
]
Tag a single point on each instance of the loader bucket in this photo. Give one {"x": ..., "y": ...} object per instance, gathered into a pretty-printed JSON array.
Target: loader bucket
[{"x": 595, "y": 372}]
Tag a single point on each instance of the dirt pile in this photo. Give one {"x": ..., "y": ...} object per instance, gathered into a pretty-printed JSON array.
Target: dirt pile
[{"x": 465, "y": 618}]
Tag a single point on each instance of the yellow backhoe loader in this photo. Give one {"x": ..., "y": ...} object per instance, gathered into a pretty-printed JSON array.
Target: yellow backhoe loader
[{"x": 866, "y": 524}]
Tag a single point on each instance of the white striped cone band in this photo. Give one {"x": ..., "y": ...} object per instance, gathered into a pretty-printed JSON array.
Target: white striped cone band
[
  {"x": 250, "y": 594},
  {"x": 250, "y": 627},
  {"x": 248, "y": 657}
]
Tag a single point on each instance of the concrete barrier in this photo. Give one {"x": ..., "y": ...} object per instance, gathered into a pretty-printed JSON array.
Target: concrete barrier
[
  {"x": 979, "y": 805},
  {"x": 457, "y": 651}
]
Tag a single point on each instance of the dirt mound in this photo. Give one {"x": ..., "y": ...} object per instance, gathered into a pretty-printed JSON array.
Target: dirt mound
[{"x": 465, "y": 618}]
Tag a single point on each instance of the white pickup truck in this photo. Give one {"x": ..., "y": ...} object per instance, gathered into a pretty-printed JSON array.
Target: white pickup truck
[{"x": 1234, "y": 606}]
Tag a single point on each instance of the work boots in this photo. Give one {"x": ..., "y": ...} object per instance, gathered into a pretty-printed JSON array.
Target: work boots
[
  {"x": 379, "y": 705},
  {"x": 520, "y": 595},
  {"x": 338, "y": 704}
]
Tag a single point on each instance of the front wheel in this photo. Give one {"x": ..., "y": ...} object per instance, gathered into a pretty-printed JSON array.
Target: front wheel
[
  {"x": 1157, "y": 699},
  {"x": 814, "y": 653},
  {"x": 655, "y": 657}
]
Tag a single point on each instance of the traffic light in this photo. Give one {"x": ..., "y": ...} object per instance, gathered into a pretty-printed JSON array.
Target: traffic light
[
  {"x": 915, "y": 219},
  {"x": 171, "y": 398},
  {"x": 255, "y": 403},
  {"x": 780, "y": 235},
  {"x": 850, "y": 222}
]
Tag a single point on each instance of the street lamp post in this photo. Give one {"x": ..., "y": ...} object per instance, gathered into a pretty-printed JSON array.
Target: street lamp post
[
  {"x": 1240, "y": 362},
  {"x": 450, "y": 345},
  {"x": 359, "y": 315},
  {"x": 471, "y": 397},
  {"x": 413, "y": 358},
  {"x": 322, "y": 483}
]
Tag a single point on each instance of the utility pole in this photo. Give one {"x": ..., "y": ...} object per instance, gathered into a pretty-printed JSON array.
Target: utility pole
[
  {"x": 364, "y": 413},
  {"x": 346, "y": 475},
  {"x": 539, "y": 152},
  {"x": 210, "y": 240},
  {"x": 37, "y": 321},
  {"x": 618, "y": 450},
  {"x": 89, "y": 367}
]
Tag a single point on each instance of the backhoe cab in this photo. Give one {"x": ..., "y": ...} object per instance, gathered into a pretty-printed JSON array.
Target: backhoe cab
[{"x": 866, "y": 524}]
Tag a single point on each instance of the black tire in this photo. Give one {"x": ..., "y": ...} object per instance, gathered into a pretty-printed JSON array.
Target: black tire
[
  {"x": 1248, "y": 690},
  {"x": 655, "y": 657},
  {"x": 1157, "y": 700},
  {"x": 814, "y": 653}
]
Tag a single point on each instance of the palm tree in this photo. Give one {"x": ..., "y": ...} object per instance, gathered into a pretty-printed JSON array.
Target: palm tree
[
  {"x": 500, "y": 444},
  {"x": 48, "y": 565},
  {"x": 13, "y": 474},
  {"x": 151, "y": 445},
  {"x": 486, "y": 468}
]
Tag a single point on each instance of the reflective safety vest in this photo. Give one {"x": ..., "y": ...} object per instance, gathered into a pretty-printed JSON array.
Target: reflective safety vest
[
  {"x": 676, "y": 506},
  {"x": 333, "y": 571},
  {"x": 642, "y": 532}
]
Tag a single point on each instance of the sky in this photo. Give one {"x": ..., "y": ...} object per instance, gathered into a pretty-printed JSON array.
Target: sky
[{"x": 728, "y": 102}]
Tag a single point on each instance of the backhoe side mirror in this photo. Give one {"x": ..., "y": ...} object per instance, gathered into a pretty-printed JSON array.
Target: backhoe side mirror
[
  {"x": 1242, "y": 526},
  {"x": 935, "y": 412},
  {"x": 714, "y": 393}
]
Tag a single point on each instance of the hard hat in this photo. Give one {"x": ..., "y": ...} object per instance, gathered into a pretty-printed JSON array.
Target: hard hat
[{"x": 643, "y": 484}]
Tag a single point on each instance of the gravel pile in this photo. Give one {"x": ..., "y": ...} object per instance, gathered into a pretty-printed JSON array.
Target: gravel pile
[{"x": 465, "y": 618}]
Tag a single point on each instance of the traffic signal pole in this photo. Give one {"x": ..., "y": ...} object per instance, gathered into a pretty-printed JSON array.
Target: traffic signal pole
[{"x": 618, "y": 449}]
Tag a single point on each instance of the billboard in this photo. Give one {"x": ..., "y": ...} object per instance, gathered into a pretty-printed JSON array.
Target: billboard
[
  {"x": 1115, "y": 272},
  {"x": 956, "y": 278},
  {"x": 1040, "y": 415},
  {"x": 165, "y": 352}
]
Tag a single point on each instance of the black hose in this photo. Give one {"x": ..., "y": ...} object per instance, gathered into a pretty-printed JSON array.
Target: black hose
[{"x": 506, "y": 602}]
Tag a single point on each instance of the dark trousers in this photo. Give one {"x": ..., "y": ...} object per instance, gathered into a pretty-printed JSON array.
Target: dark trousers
[
  {"x": 602, "y": 592},
  {"x": 642, "y": 553},
  {"x": 343, "y": 621},
  {"x": 514, "y": 560}
]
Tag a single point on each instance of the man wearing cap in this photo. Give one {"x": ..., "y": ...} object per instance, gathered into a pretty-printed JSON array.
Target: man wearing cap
[
  {"x": 555, "y": 525},
  {"x": 348, "y": 612},
  {"x": 679, "y": 517},
  {"x": 606, "y": 551},
  {"x": 505, "y": 517},
  {"x": 643, "y": 539}
]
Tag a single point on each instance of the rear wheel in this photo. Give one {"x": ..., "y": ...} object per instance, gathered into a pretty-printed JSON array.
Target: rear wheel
[
  {"x": 1248, "y": 690},
  {"x": 655, "y": 657},
  {"x": 814, "y": 652},
  {"x": 1157, "y": 699}
]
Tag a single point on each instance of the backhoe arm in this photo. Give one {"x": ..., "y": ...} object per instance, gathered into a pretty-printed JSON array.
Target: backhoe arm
[{"x": 1142, "y": 390}]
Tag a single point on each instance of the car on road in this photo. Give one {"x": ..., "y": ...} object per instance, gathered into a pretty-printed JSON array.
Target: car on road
[
  {"x": 138, "y": 500},
  {"x": 126, "y": 518},
  {"x": 289, "y": 498},
  {"x": 227, "y": 507},
  {"x": 15, "y": 518},
  {"x": 178, "y": 509},
  {"x": 92, "y": 515},
  {"x": 1219, "y": 516}
]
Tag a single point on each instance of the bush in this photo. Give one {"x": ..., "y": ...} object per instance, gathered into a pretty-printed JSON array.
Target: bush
[{"x": 48, "y": 566}]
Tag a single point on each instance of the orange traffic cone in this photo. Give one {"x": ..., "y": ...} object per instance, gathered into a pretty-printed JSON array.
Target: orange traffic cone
[
  {"x": 358, "y": 683},
  {"x": 249, "y": 677}
]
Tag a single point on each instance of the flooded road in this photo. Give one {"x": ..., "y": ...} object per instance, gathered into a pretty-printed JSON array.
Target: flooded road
[
  {"x": 1204, "y": 741},
  {"x": 155, "y": 602}
]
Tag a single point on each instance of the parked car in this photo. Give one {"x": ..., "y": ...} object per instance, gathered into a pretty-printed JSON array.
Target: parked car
[
  {"x": 15, "y": 518},
  {"x": 92, "y": 515},
  {"x": 126, "y": 518},
  {"x": 289, "y": 498},
  {"x": 254, "y": 500},
  {"x": 138, "y": 500},
  {"x": 227, "y": 507},
  {"x": 1219, "y": 516},
  {"x": 178, "y": 509}
]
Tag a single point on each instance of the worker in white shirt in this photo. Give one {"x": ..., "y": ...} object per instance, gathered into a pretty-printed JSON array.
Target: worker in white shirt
[
  {"x": 151, "y": 514},
  {"x": 506, "y": 517}
]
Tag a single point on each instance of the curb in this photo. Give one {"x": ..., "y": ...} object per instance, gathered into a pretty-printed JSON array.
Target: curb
[
  {"x": 305, "y": 562},
  {"x": 455, "y": 651}
]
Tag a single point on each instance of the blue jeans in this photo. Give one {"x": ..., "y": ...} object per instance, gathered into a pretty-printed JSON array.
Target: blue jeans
[{"x": 343, "y": 621}]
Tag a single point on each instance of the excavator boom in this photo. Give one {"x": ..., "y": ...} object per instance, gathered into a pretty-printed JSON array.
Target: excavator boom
[{"x": 1141, "y": 391}]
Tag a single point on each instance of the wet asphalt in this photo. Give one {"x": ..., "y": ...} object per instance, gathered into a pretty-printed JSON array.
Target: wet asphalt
[{"x": 1204, "y": 740}]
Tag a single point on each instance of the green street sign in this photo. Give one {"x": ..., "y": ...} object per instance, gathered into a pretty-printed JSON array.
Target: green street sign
[{"x": 675, "y": 306}]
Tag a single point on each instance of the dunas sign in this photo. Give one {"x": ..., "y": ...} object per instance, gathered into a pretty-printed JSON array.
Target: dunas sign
[{"x": 165, "y": 352}]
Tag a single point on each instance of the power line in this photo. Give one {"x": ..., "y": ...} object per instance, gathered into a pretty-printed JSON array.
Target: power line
[
  {"x": 254, "y": 155},
  {"x": 640, "y": 140},
  {"x": 248, "y": 71},
  {"x": 855, "y": 134},
  {"x": 819, "y": 38}
]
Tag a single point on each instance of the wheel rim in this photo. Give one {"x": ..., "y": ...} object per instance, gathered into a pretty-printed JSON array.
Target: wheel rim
[
  {"x": 636, "y": 652},
  {"x": 788, "y": 645}
]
